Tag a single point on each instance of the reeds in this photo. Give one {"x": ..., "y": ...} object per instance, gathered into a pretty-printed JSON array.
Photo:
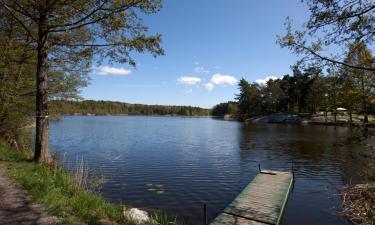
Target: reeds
[{"x": 358, "y": 203}]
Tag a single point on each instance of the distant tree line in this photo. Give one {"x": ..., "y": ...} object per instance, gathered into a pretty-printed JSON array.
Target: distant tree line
[
  {"x": 311, "y": 90},
  {"x": 65, "y": 107},
  {"x": 222, "y": 109}
]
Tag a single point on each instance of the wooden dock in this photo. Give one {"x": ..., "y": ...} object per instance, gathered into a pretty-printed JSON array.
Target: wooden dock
[{"x": 262, "y": 202}]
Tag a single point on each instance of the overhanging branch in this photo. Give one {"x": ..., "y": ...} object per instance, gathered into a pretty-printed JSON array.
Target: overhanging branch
[{"x": 325, "y": 58}]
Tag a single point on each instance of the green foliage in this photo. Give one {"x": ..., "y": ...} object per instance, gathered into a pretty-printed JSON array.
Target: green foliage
[
  {"x": 17, "y": 76},
  {"x": 64, "y": 107},
  {"x": 57, "y": 192},
  {"x": 161, "y": 218},
  {"x": 64, "y": 36},
  {"x": 332, "y": 24},
  {"x": 309, "y": 90},
  {"x": 225, "y": 108},
  {"x": 291, "y": 94},
  {"x": 249, "y": 99},
  {"x": 359, "y": 83}
]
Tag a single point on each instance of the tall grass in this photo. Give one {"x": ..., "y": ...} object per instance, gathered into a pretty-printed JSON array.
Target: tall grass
[{"x": 66, "y": 195}]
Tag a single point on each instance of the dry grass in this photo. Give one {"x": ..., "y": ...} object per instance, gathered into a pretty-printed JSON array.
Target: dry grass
[{"x": 358, "y": 203}]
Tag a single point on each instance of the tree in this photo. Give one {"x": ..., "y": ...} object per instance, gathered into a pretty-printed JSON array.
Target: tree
[
  {"x": 249, "y": 99},
  {"x": 360, "y": 55},
  {"x": 315, "y": 99},
  {"x": 332, "y": 23},
  {"x": 349, "y": 92},
  {"x": 271, "y": 96},
  {"x": 333, "y": 90},
  {"x": 17, "y": 75},
  {"x": 287, "y": 93},
  {"x": 66, "y": 35},
  {"x": 222, "y": 109},
  {"x": 15, "y": 62}
]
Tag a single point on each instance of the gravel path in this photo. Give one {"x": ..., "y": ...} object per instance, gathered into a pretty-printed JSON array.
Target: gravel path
[{"x": 17, "y": 209}]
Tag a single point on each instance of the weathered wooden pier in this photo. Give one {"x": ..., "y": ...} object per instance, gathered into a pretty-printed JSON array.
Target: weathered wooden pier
[{"x": 262, "y": 202}]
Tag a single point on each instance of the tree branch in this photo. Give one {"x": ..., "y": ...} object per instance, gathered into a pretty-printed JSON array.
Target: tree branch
[
  {"x": 81, "y": 20},
  {"x": 10, "y": 10},
  {"x": 324, "y": 58},
  {"x": 77, "y": 24}
]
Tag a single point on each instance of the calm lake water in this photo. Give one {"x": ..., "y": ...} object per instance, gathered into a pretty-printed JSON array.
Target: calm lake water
[{"x": 179, "y": 163}]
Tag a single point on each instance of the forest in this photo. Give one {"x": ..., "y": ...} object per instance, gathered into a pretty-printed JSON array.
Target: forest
[
  {"x": 87, "y": 107},
  {"x": 310, "y": 90}
]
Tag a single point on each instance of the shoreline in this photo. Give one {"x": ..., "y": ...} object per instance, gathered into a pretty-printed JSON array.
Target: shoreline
[
  {"x": 310, "y": 120},
  {"x": 59, "y": 195}
]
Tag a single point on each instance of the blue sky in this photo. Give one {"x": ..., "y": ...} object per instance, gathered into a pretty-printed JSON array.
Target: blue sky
[{"x": 209, "y": 45}]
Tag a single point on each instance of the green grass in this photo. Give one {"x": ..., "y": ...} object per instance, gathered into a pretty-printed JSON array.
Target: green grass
[
  {"x": 361, "y": 115},
  {"x": 56, "y": 191}
]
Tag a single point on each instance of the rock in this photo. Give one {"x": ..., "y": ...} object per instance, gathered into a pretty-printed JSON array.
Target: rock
[
  {"x": 277, "y": 118},
  {"x": 137, "y": 216}
]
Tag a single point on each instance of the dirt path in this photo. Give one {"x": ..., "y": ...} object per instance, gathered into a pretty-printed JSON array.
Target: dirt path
[{"x": 16, "y": 208}]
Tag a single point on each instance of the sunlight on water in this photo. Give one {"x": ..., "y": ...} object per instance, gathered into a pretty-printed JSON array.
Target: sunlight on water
[{"x": 178, "y": 164}]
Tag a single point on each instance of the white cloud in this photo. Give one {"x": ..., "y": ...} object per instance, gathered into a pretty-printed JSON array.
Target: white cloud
[
  {"x": 108, "y": 70},
  {"x": 264, "y": 80},
  {"x": 188, "y": 91},
  {"x": 196, "y": 63},
  {"x": 208, "y": 86},
  {"x": 201, "y": 69},
  {"x": 189, "y": 80},
  {"x": 220, "y": 79}
]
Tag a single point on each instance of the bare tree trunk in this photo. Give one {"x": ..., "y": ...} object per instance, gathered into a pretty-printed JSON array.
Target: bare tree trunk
[
  {"x": 365, "y": 116},
  {"x": 335, "y": 116},
  {"x": 42, "y": 152},
  {"x": 325, "y": 116},
  {"x": 364, "y": 100}
]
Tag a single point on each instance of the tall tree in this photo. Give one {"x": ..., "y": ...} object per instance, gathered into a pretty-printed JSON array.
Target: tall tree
[
  {"x": 316, "y": 99},
  {"x": 359, "y": 54},
  {"x": 271, "y": 96},
  {"x": 249, "y": 99},
  {"x": 333, "y": 90},
  {"x": 66, "y": 35}
]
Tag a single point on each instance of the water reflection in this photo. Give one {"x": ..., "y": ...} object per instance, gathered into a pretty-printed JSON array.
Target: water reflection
[{"x": 203, "y": 160}]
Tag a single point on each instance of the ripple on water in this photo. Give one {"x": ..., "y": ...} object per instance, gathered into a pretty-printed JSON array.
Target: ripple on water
[{"x": 189, "y": 162}]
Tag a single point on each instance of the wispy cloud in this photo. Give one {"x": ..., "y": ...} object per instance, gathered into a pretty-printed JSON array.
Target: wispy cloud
[
  {"x": 200, "y": 69},
  {"x": 109, "y": 70},
  {"x": 208, "y": 86},
  {"x": 189, "y": 80},
  {"x": 221, "y": 79},
  {"x": 196, "y": 63},
  {"x": 264, "y": 80},
  {"x": 188, "y": 91}
]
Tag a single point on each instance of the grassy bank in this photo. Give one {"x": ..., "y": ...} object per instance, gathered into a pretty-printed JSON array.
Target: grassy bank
[{"x": 56, "y": 190}]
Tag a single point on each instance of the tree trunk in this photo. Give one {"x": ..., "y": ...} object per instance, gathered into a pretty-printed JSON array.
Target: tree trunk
[
  {"x": 325, "y": 116},
  {"x": 335, "y": 116},
  {"x": 42, "y": 152},
  {"x": 364, "y": 100},
  {"x": 365, "y": 114}
]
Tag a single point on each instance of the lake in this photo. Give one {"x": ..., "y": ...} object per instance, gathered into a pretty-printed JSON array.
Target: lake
[{"x": 179, "y": 163}]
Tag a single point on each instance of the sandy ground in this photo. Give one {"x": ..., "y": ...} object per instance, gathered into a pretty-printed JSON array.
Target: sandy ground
[{"x": 17, "y": 209}]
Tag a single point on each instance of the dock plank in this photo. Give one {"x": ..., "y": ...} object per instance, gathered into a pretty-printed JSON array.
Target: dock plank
[{"x": 261, "y": 202}]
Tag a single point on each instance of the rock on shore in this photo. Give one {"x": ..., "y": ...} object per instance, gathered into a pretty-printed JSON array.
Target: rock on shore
[
  {"x": 137, "y": 216},
  {"x": 278, "y": 118}
]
